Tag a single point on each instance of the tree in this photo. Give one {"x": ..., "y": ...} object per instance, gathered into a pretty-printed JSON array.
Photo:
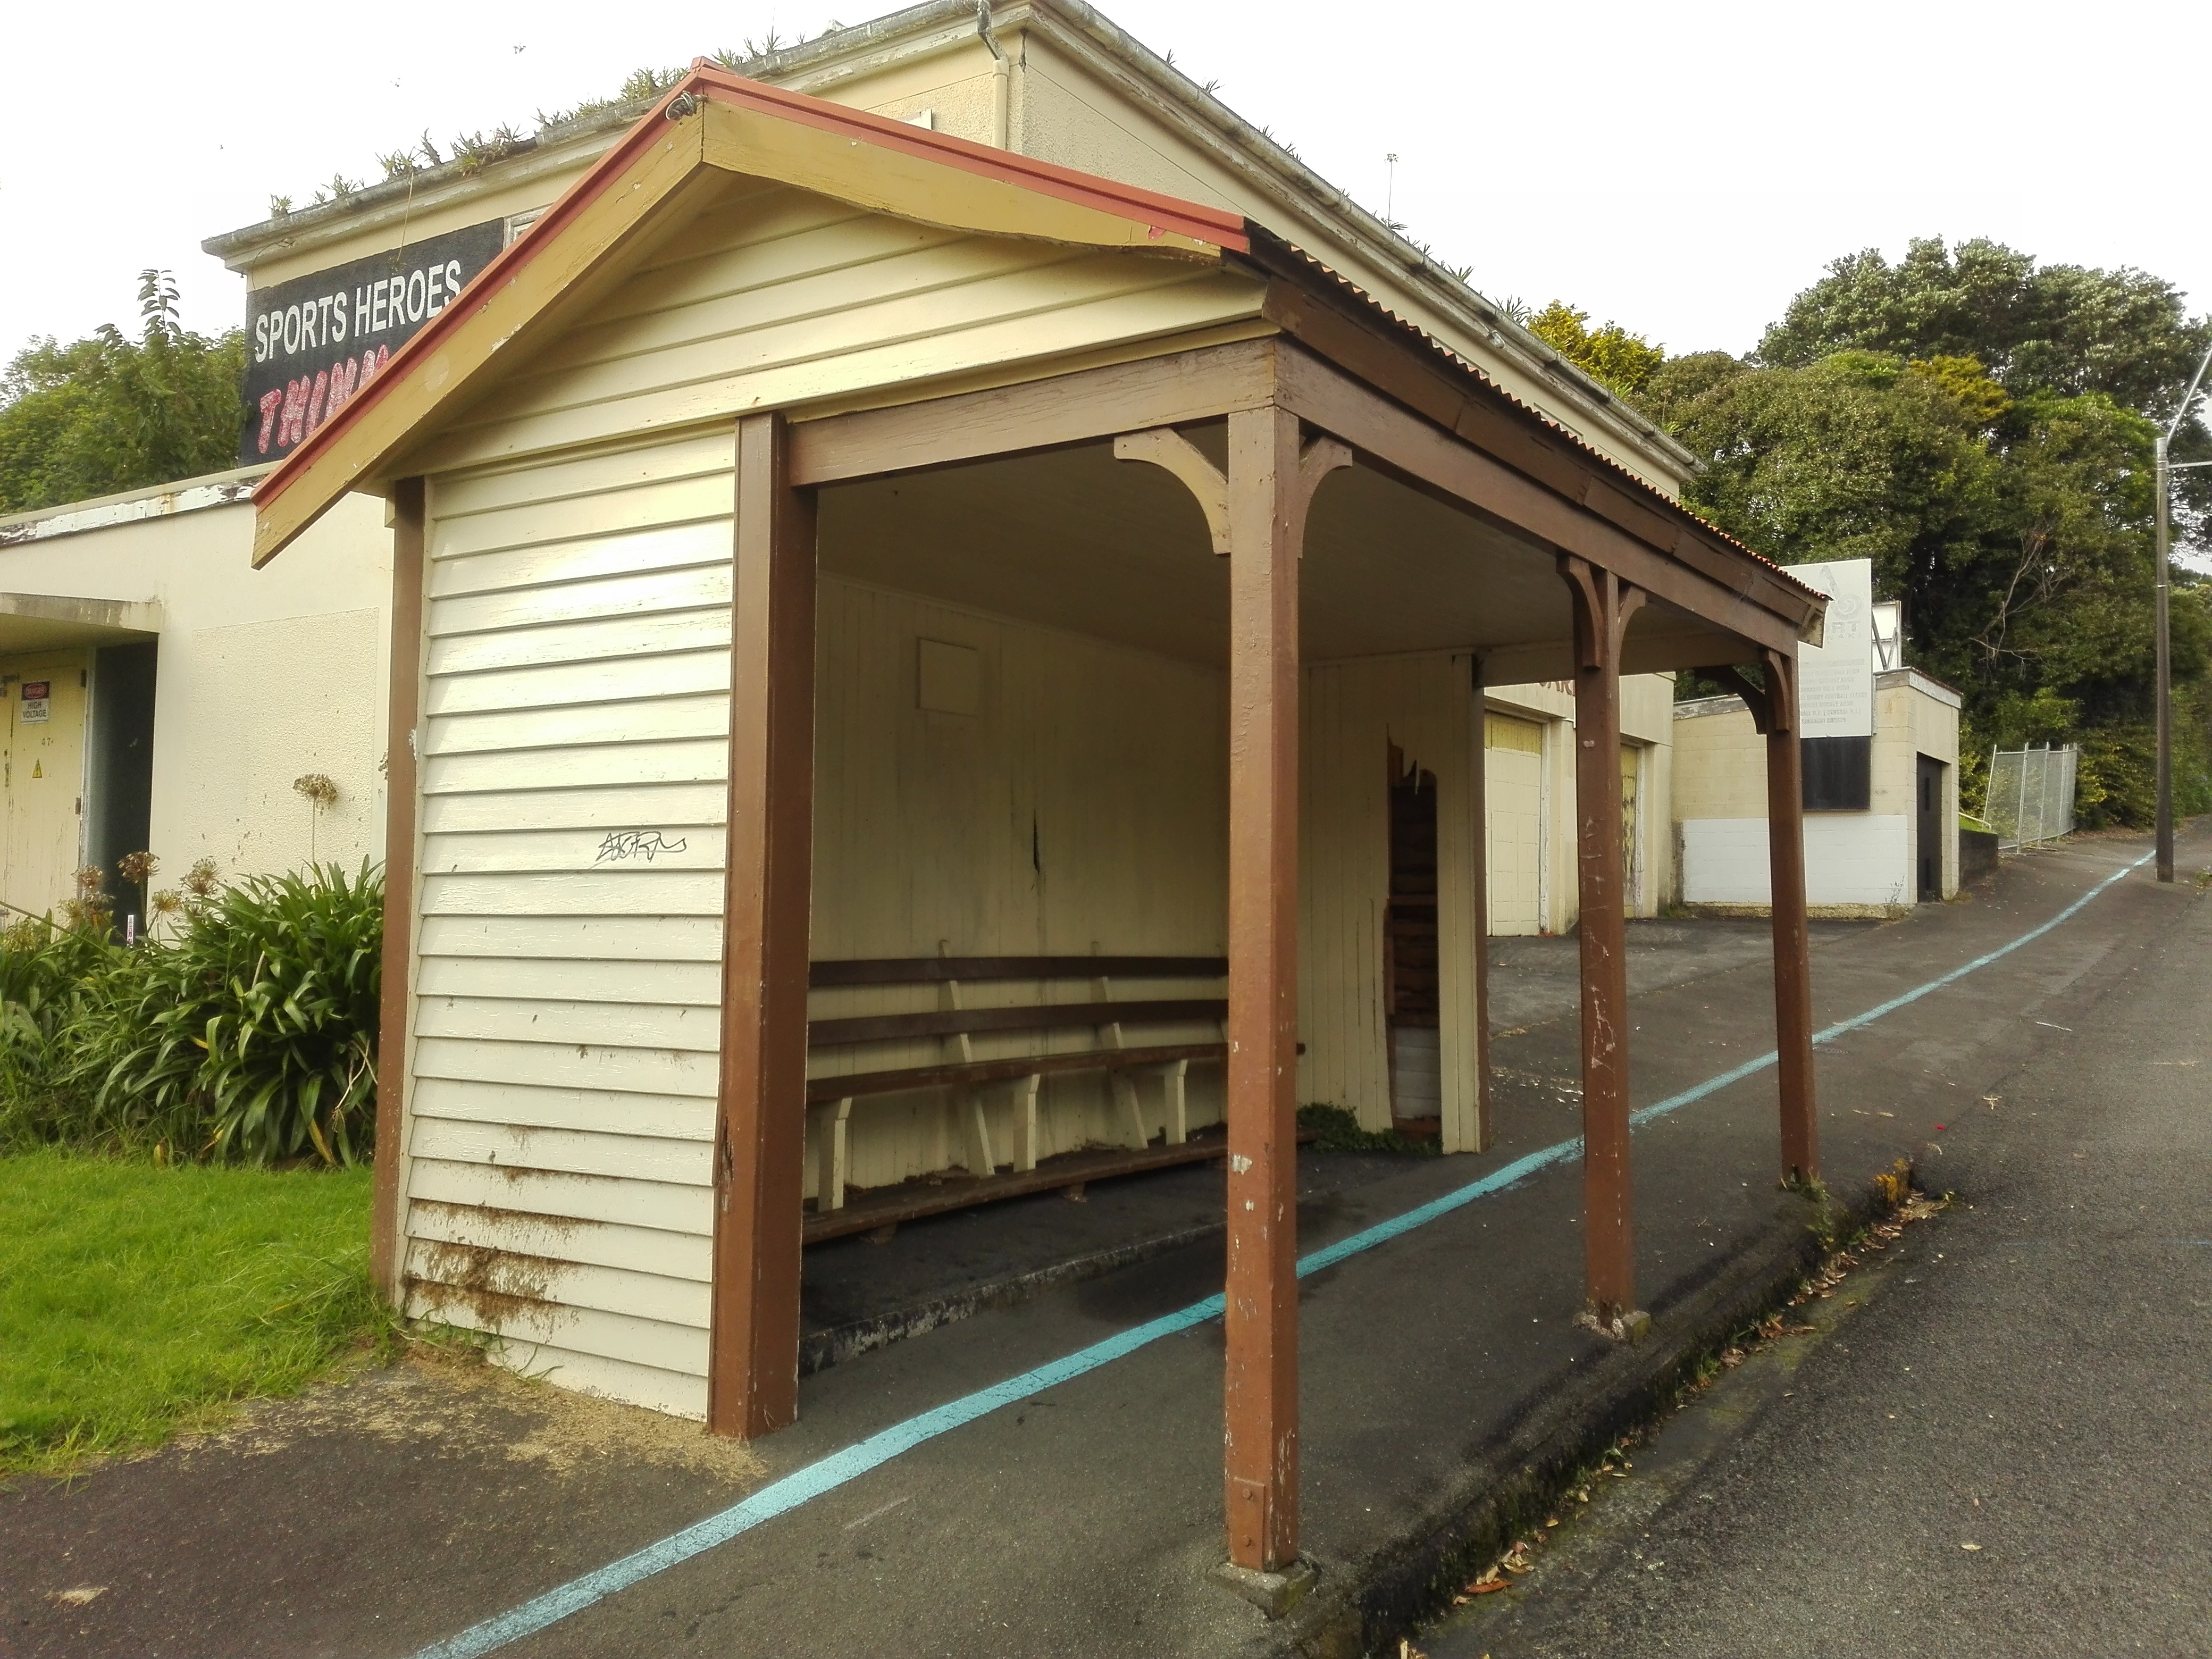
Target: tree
[
  {"x": 2016, "y": 530},
  {"x": 2064, "y": 329},
  {"x": 107, "y": 414}
]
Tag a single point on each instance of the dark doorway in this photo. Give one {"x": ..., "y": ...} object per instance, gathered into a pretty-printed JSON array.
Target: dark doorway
[
  {"x": 120, "y": 769},
  {"x": 1928, "y": 837},
  {"x": 1409, "y": 955}
]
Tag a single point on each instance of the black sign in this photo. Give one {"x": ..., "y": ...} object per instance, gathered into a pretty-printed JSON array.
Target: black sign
[{"x": 313, "y": 343}]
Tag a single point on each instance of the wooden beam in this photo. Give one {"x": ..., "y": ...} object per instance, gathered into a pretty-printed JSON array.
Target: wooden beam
[
  {"x": 1602, "y": 605},
  {"x": 387, "y": 1242},
  {"x": 1042, "y": 414},
  {"x": 1454, "y": 470},
  {"x": 752, "y": 1384}
]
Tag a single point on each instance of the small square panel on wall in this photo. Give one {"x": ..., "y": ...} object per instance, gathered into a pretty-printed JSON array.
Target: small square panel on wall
[{"x": 952, "y": 678}]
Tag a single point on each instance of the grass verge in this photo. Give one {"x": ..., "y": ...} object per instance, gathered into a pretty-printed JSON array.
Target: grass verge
[{"x": 137, "y": 1301}]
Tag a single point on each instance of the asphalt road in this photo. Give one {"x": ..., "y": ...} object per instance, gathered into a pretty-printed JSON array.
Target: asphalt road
[
  {"x": 373, "y": 1519},
  {"x": 2001, "y": 1442}
]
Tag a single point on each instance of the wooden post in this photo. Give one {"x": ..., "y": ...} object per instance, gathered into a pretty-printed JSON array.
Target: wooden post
[
  {"x": 1793, "y": 968},
  {"x": 1260, "y": 1465},
  {"x": 1602, "y": 606},
  {"x": 1774, "y": 711},
  {"x": 1480, "y": 774},
  {"x": 1256, "y": 516},
  {"x": 386, "y": 1247},
  {"x": 752, "y": 1382}
]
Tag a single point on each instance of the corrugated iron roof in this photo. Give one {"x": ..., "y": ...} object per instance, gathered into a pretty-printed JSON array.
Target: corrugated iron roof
[{"x": 1528, "y": 411}]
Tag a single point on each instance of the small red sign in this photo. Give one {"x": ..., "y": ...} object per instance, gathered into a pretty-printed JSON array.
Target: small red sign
[{"x": 34, "y": 690}]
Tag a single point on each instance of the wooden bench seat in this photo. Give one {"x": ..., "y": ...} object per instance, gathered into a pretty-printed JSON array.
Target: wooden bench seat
[{"x": 964, "y": 1074}]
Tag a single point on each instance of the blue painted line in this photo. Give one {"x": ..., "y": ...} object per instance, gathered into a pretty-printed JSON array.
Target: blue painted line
[{"x": 803, "y": 1485}]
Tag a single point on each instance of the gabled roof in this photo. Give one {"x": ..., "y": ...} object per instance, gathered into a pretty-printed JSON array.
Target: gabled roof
[{"x": 715, "y": 123}]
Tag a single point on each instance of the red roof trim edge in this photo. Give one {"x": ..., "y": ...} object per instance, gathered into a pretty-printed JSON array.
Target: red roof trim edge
[
  {"x": 1212, "y": 225},
  {"x": 1218, "y": 226}
]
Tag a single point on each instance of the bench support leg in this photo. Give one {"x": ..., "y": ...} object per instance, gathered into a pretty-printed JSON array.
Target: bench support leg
[
  {"x": 1025, "y": 1123},
  {"x": 1129, "y": 1112},
  {"x": 973, "y": 1131},
  {"x": 1178, "y": 1111},
  {"x": 833, "y": 1165},
  {"x": 760, "y": 1144}
]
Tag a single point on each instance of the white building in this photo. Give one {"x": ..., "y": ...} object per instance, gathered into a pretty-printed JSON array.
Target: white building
[
  {"x": 1881, "y": 767},
  {"x": 186, "y": 692}
]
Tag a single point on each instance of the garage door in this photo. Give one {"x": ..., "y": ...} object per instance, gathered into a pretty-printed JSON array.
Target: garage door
[{"x": 1513, "y": 793}]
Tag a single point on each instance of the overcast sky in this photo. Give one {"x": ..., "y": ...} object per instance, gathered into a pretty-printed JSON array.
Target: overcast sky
[{"x": 1681, "y": 168}]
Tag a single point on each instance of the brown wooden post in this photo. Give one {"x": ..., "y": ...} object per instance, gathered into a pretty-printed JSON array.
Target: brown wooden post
[
  {"x": 1256, "y": 515},
  {"x": 1480, "y": 773},
  {"x": 752, "y": 1382},
  {"x": 386, "y": 1250},
  {"x": 1270, "y": 484},
  {"x": 1602, "y": 606},
  {"x": 1793, "y": 969},
  {"x": 1773, "y": 708}
]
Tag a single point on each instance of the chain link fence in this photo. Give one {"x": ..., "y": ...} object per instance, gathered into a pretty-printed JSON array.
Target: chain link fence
[{"x": 2031, "y": 795}]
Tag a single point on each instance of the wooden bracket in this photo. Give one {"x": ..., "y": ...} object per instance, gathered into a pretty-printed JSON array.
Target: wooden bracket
[
  {"x": 1753, "y": 695},
  {"x": 1607, "y": 604},
  {"x": 1773, "y": 706},
  {"x": 1169, "y": 450}
]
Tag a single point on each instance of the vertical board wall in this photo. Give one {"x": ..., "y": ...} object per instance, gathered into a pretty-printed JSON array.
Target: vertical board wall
[
  {"x": 1351, "y": 712},
  {"x": 1082, "y": 809}
]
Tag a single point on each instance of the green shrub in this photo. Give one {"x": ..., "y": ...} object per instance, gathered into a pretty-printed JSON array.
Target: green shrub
[
  {"x": 45, "y": 973},
  {"x": 248, "y": 1035},
  {"x": 252, "y": 1033}
]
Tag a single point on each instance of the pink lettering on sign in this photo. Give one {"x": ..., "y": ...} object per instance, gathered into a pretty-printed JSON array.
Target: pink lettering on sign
[
  {"x": 292, "y": 421},
  {"x": 271, "y": 401},
  {"x": 343, "y": 378}
]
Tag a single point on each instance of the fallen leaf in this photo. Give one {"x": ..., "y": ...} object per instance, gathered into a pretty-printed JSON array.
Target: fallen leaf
[
  {"x": 1487, "y": 1587},
  {"x": 1969, "y": 1547},
  {"x": 83, "y": 1596}
]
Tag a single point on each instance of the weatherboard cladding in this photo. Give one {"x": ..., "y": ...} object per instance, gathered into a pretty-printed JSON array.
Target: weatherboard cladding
[
  {"x": 573, "y": 752},
  {"x": 563, "y": 1051},
  {"x": 777, "y": 296}
]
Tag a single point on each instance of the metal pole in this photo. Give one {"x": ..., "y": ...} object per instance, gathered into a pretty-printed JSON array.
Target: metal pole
[
  {"x": 2161, "y": 481},
  {"x": 2165, "y": 716}
]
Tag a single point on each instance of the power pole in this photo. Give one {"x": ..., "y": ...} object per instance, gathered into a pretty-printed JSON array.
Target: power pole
[
  {"x": 2163, "y": 471},
  {"x": 2164, "y": 836}
]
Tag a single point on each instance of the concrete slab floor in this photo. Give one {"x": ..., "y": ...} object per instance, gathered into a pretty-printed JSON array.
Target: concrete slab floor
[{"x": 1085, "y": 1518}]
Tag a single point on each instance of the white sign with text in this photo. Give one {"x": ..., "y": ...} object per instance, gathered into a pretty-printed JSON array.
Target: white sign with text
[{"x": 1835, "y": 679}]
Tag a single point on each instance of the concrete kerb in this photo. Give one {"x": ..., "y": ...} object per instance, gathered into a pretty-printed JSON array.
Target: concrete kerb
[{"x": 1512, "y": 1483}]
